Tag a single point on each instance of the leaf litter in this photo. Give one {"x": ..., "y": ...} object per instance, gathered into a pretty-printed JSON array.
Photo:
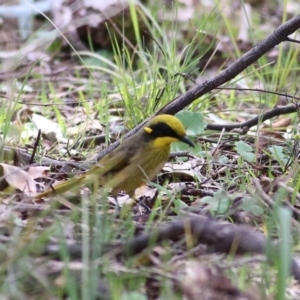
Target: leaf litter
[{"x": 211, "y": 180}]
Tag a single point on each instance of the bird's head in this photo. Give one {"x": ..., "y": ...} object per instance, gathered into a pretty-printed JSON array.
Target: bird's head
[{"x": 166, "y": 129}]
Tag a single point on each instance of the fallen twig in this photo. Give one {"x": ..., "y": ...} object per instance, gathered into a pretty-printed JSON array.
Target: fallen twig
[{"x": 223, "y": 237}]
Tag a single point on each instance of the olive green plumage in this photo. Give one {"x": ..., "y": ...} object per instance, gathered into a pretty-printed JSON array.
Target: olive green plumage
[{"x": 135, "y": 161}]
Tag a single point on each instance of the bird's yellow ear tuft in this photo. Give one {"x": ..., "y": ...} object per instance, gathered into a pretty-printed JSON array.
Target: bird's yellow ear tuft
[{"x": 148, "y": 130}]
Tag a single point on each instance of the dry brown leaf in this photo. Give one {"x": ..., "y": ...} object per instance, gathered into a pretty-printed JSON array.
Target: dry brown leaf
[
  {"x": 122, "y": 200},
  {"x": 145, "y": 191},
  {"x": 19, "y": 179},
  {"x": 280, "y": 124},
  {"x": 188, "y": 170},
  {"x": 37, "y": 172}
]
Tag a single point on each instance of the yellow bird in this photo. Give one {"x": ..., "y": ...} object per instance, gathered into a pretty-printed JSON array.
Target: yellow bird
[{"x": 134, "y": 162}]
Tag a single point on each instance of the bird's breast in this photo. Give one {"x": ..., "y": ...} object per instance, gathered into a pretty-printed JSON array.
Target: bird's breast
[
  {"x": 143, "y": 167},
  {"x": 155, "y": 161}
]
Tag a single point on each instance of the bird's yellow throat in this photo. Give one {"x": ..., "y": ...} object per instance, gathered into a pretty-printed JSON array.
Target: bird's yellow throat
[{"x": 162, "y": 142}]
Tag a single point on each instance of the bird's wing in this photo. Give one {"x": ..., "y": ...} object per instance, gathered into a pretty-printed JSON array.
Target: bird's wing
[
  {"x": 107, "y": 168},
  {"x": 110, "y": 164}
]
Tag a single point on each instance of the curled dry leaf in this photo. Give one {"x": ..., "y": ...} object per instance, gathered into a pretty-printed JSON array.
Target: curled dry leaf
[
  {"x": 122, "y": 200},
  {"x": 145, "y": 191},
  {"x": 19, "y": 179},
  {"x": 187, "y": 170},
  {"x": 177, "y": 187},
  {"x": 38, "y": 171},
  {"x": 280, "y": 124}
]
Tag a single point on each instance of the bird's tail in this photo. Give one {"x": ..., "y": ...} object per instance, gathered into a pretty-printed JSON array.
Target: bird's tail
[
  {"x": 61, "y": 188},
  {"x": 94, "y": 175}
]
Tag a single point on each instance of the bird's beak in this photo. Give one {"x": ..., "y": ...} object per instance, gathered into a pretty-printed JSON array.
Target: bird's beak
[{"x": 186, "y": 140}]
